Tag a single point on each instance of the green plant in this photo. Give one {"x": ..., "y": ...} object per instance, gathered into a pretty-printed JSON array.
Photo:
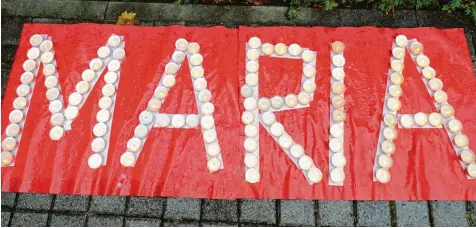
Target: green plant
[{"x": 468, "y": 6}]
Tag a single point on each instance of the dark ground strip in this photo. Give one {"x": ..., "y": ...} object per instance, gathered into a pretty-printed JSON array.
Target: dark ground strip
[{"x": 68, "y": 210}]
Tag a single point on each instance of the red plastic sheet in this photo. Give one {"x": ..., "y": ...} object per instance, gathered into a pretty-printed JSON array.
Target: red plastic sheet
[{"x": 173, "y": 162}]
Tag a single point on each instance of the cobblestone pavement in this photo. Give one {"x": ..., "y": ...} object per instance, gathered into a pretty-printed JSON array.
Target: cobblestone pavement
[{"x": 68, "y": 210}]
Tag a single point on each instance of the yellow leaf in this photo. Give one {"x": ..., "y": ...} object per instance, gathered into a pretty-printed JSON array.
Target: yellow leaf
[{"x": 126, "y": 18}]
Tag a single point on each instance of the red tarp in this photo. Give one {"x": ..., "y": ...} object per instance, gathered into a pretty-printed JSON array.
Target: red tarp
[{"x": 173, "y": 161}]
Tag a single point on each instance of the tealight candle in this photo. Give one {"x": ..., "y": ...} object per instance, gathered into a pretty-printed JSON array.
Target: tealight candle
[
  {"x": 295, "y": 49},
  {"x": 277, "y": 129},
  {"x": 57, "y": 119},
  {"x": 56, "y": 133},
  {"x": 51, "y": 81},
  {"x": 385, "y": 161},
  {"x": 436, "y": 84},
  {"x": 213, "y": 149},
  {"x": 27, "y": 77},
  {"x": 36, "y": 39},
  {"x": 397, "y": 65},
  {"x": 421, "y": 119},
  {"x": 247, "y": 117},
  {"x": 169, "y": 81},
  {"x": 395, "y": 91},
  {"x": 314, "y": 175},
  {"x": 55, "y": 106},
  {"x": 178, "y": 121},
  {"x": 252, "y": 176},
  {"x": 20, "y": 103},
  {"x": 197, "y": 72},
  {"x": 154, "y": 104},
  {"x": 246, "y": 91},
  {"x": 455, "y": 126},
  {"x": 33, "y": 53},
  {"x": 305, "y": 162},
  {"x": 104, "y": 52},
  {"x": 435, "y": 119},
  {"x": 196, "y": 59},
  {"x": 252, "y": 66},
  {"x": 205, "y": 96},
  {"x": 29, "y": 65},
  {"x": 394, "y": 104},
  {"x": 338, "y": 73},
  {"x": 252, "y": 54},
  {"x": 12, "y": 130},
  {"x": 264, "y": 104},
  {"x": 428, "y": 72},
  {"x": 114, "y": 41},
  {"x": 382, "y": 176},
  {"x": 338, "y": 115},
  {"x": 9, "y": 143},
  {"x": 423, "y": 61},
  {"x": 277, "y": 102},
  {"x": 389, "y": 133},
  {"x": 71, "y": 112},
  {"x": 108, "y": 90},
  {"x": 407, "y": 121},
  {"x": 15, "y": 116},
  {"x": 193, "y": 48},
  {"x": 338, "y": 102},
  {"x": 401, "y": 40},
  {"x": 192, "y": 121},
  {"x": 120, "y": 54},
  {"x": 161, "y": 91},
  {"x": 337, "y": 175},
  {"x": 181, "y": 44},
  {"x": 251, "y": 130},
  {"x": 467, "y": 156},
  {"x": 304, "y": 98},
  {"x": 251, "y": 160},
  {"x": 396, "y": 78},
  {"x": 200, "y": 84},
  {"x": 95, "y": 64},
  {"x": 23, "y": 90},
  {"x": 49, "y": 69},
  {"x": 310, "y": 71},
  {"x": 47, "y": 57},
  {"x": 207, "y": 122},
  {"x": 309, "y": 86},
  {"x": 82, "y": 87},
  {"x": 75, "y": 99},
  {"x": 336, "y": 130},
  {"x": 447, "y": 110},
  {"x": 440, "y": 96},
  {"x": 100, "y": 129},
  {"x": 94, "y": 161},
  {"x": 146, "y": 117},
  {"x": 98, "y": 145},
  {"x": 471, "y": 169},
  {"x": 46, "y": 45},
  {"x": 7, "y": 158},
  {"x": 280, "y": 49},
  {"x": 398, "y": 53},
  {"x": 171, "y": 68},
  {"x": 416, "y": 48},
  {"x": 251, "y": 79},
  {"x": 285, "y": 141},
  {"x": 390, "y": 119},
  {"x": 308, "y": 56},
  {"x": 291, "y": 100},
  {"x": 267, "y": 49},
  {"x": 338, "y": 60},
  {"x": 134, "y": 144},
  {"x": 105, "y": 102},
  {"x": 338, "y": 160},
  {"x": 268, "y": 118},
  {"x": 338, "y": 47},
  {"x": 297, "y": 151},
  {"x": 103, "y": 116},
  {"x": 250, "y": 144},
  {"x": 254, "y": 42},
  {"x": 250, "y": 104},
  {"x": 388, "y": 147},
  {"x": 88, "y": 75},
  {"x": 461, "y": 140},
  {"x": 128, "y": 159},
  {"x": 210, "y": 135},
  {"x": 208, "y": 108},
  {"x": 163, "y": 120},
  {"x": 335, "y": 145}
]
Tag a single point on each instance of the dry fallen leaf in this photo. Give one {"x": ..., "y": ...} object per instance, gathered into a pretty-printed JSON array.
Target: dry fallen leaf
[{"x": 126, "y": 18}]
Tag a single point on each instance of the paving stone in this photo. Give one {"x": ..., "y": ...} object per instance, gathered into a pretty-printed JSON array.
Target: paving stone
[
  {"x": 108, "y": 204},
  {"x": 449, "y": 213},
  {"x": 412, "y": 213},
  {"x": 47, "y": 20},
  {"x": 11, "y": 29},
  {"x": 34, "y": 201},
  {"x": 363, "y": 17},
  {"x": 219, "y": 224},
  {"x": 472, "y": 210},
  {"x": 8, "y": 55},
  {"x": 55, "y": 8},
  {"x": 71, "y": 203},
  {"x": 258, "y": 211},
  {"x": 181, "y": 224},
  {"x": 8, "y": 198},
  {"x": 5, "y": 75},
  {"x": 100, "y": 221},
  {"x": 142, "y": 222},
  {"x": 68, "y": 220},
  {"x": 443, "y": 20},
  {"x": 335, "y": 213},
  {"x": 255, "y": 225},
  {"x": 5, "y": 218},
  {"x": 29, "y": 219},
  {"x": 145, "y": 206},
  {"x": 297, "y": 213},
  {"x": 373, "y": 213},
  {"x": 182, "y": 208},
  {"x": 469, "y": 40},
  {"x": 220, "y": 210}
]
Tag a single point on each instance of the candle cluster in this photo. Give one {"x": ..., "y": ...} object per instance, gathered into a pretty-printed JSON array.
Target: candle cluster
[
  {"x": 152, "y": 118},
  {"x": 113, "y": 54},
  {"x": 253, "y": 105},
  {"x": 337, "y": 159}
]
